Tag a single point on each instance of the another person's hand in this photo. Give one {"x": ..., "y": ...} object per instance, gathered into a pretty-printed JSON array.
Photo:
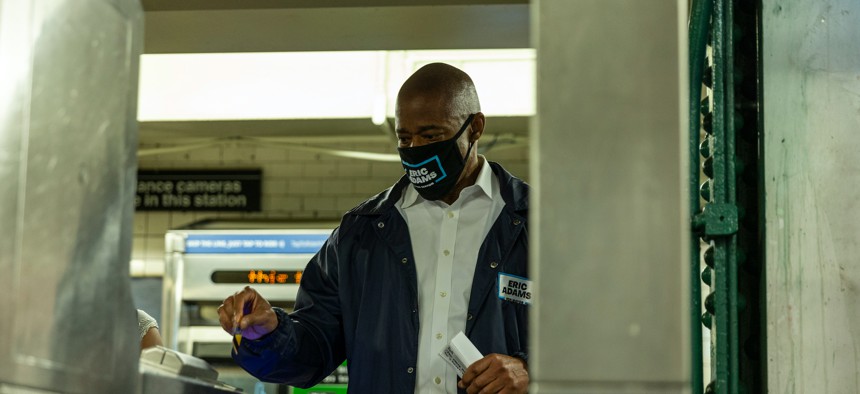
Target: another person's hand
[
  {"x": 249, "y": 311},
  {"x": 151, "y": 338},
  {"x": 496, "y": 373}
]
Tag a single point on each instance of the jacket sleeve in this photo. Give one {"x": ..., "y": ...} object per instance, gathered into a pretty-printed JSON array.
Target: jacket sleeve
[{"x": 308, "y": 344}]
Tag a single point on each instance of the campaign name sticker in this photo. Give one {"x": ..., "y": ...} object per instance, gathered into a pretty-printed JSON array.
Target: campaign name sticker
[{"x": 515, "y": 289}]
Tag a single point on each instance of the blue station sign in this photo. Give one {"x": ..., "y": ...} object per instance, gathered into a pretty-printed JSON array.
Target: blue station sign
[{"x": 254, "y": 243}]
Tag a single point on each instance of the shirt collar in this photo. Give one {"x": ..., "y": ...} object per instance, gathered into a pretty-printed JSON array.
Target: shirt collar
[{"x": 484, "y": 184}]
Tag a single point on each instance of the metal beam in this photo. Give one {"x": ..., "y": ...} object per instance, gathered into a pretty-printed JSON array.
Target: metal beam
[{"x": 338, "y": 29}]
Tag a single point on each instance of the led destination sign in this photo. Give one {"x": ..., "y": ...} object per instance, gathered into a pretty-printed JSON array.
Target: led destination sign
[{"x": 260, "y": 276}]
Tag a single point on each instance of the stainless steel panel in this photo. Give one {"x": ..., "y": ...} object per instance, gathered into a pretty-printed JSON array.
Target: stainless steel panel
[
  {"x": 8, "y": 389},
  {"x": 67, "y": 160},
  {"x": 171, "y": 299},
  {"x": 609, "y": 225},
  {"x": 811, "y": 64},
  {"x": 153, "y": 381}
]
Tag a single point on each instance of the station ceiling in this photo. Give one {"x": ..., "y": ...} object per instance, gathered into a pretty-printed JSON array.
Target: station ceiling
[{"x": 232, "y": 26}]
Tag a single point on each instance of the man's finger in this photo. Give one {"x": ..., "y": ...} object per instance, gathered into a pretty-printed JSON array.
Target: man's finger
[
  {"x": 224, "y": 319},
  {"x": 480, "y": 382},
  {"x": 475, "y": 369},
  {"x": 255, "y": 318},
  {"x": 228, "y": 305},
  {"x": 225, "y": 314},
  {"x": 243, "y": 304},
  {"x": 484, "y": 379},
  {"x": 493, "y": 387}
]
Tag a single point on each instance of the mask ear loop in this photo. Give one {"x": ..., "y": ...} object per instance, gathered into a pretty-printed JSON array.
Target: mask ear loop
[
  {"x": 466, "y": 158},
  {"x": 466, "y": 125}
]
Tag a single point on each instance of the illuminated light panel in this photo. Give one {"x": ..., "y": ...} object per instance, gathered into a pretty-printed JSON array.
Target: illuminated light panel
[{"x": 318, "y": 85}]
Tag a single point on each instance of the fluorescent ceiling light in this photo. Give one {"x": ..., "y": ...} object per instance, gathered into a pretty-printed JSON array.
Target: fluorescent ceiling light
[{"x": 318, "y": 85}]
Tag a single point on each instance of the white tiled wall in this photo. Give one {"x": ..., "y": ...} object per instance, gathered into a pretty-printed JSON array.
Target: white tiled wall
[{"x": 296, "y": 185}]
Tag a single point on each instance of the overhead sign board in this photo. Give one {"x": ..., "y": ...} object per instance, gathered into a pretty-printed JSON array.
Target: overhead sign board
[{"x": 198, "y": 190}]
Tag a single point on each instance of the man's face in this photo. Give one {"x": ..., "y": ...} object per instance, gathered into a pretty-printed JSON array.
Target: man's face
[{"x": 422, "y": 120}]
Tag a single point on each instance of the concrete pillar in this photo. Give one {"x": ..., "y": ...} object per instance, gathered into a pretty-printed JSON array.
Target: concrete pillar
[
  {"x": 811, "y": 63},
  {"x": 609, "y": 216},
  {"x": 68, "y": 137}
]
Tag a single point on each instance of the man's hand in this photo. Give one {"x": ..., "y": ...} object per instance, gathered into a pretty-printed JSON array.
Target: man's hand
[
  {"x": 248, "y": 311},
  {"x": 496, "y": 373}
]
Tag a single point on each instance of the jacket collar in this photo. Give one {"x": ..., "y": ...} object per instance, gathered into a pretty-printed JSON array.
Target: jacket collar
[{"x": 513, "y": 190}]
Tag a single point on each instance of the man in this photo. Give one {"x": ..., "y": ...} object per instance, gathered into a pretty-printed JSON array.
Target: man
[{"x": 406, "y": 270}]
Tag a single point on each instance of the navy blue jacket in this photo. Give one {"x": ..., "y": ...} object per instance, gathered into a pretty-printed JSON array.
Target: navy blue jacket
[{"x": 358, "y": 300}]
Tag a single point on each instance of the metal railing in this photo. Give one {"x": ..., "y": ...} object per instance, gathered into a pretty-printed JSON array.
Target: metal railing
[{"x": 729, "y": 110}]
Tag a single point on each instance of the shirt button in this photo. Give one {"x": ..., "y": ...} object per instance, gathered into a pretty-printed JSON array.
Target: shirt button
[
  {"x": 450, "y": 214},
  {"x": 438, "y": 335},
  {"x": 517, "y": 222},
  {"x": 380, "y": 225},
  {"x": 438, "y": 380},
  {"x": 469, "y": 317},
  {"x": 446, "y": 252},
  {"x": 410, "y": 370},
  {"x": 404, "y": 260},
  {"x": 494, "y": 264},
  {"x": 443, "y": 294}
]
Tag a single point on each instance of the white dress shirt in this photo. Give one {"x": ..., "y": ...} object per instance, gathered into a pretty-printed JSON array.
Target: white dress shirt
[{"x": 445, "y": 242}]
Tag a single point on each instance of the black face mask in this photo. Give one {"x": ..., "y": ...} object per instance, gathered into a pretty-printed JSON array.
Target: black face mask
[{"x": 434, "y": 169}]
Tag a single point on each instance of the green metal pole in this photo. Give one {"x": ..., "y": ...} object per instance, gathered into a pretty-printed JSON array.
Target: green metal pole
[
  {"x": 720, "y": 334},
  {"x": 725, "y": 192},
  {"x": 731, "y": 196}
]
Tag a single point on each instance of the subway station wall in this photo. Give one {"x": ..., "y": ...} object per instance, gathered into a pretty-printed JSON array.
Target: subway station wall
[{"x": 297, "y": 185}]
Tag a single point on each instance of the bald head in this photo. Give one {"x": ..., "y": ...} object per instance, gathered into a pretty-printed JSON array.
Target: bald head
[{"x": 441, "y": 85}]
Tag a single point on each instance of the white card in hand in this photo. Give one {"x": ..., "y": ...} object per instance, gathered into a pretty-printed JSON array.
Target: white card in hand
[{"x": 461, "y": 353}]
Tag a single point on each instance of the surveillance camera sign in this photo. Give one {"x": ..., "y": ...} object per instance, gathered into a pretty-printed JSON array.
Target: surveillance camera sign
[{"x": 198, "y": 190}]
